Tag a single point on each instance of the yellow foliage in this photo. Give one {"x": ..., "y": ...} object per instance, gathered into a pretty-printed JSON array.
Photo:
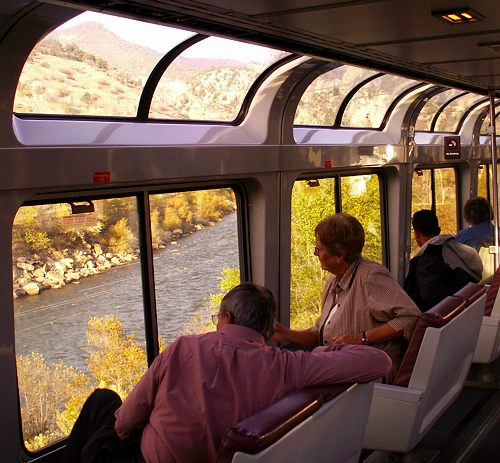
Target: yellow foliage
[
  {"x": 116, "y": 360},
  {"x": 120, "y": 237},
  {"x": 44, "y": 391},
  {"x": 41, "y": 440}
]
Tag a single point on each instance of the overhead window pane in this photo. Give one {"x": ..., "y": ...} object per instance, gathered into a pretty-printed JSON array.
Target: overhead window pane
[
  {"x": 66, "y": 73},
  {"x": 369, "y": 105},
  {"x": 210, "y": 80},
  {"x": 450, "y": 117},
  {"x": 310, "y": 205},
  {"x": 195, "y": 234},
  {"x": 321, "y": 101},
  {"x": 432, "y": 106},
  {"x": 79, "y": 316}
]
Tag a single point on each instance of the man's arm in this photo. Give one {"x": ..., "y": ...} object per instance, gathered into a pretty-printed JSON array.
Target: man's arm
[
  {"x": 342, "y": 363},
  {"x": 136, "y": 409},
  {"x": 306, "y": 338}
]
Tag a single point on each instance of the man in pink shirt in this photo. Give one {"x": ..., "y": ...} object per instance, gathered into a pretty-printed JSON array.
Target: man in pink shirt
[{"x": 203, "y": 384}]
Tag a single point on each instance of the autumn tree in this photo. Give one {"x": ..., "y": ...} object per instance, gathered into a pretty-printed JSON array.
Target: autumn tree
[
  {"x": 115, "y": 360},
  {"x": 44, "y": 391}
]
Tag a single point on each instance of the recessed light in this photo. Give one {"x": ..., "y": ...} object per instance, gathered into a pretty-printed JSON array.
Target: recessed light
[{"x": 458, "y": 15}]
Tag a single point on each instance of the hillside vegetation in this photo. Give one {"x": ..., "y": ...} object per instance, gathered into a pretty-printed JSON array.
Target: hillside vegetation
[{"x": 89, "y": 70}]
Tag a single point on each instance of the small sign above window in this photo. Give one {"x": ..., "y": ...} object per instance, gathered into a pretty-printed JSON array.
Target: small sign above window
[
  {"x": 79, "y": 221},
  {"x": 452, "y": 147}
]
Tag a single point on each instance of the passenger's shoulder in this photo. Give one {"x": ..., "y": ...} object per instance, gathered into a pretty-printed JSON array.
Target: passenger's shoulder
[{"x": 370, "y": 266}]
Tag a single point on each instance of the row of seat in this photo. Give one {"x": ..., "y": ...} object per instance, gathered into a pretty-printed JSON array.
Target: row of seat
[{"x": 328, "y": 424}]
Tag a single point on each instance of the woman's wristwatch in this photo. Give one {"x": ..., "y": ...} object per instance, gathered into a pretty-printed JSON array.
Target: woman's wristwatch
[{"x": 364, "y": 339}]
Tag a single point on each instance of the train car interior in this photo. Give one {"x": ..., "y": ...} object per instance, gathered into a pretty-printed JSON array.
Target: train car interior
[{"x": 155, "y": 153}]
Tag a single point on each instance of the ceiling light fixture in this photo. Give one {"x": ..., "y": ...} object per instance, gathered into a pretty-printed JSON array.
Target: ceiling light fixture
[{"x": 458, "y": 15}]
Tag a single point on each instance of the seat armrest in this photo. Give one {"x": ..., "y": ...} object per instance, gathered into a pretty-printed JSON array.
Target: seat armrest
[
  {"x": 403, "y": 394},
  {"x": 491, "y": 321},
  {"x": 264, "y": 428}
]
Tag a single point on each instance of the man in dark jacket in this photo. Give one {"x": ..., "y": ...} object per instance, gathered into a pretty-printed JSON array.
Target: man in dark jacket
[{"x": 442, "y": 265}]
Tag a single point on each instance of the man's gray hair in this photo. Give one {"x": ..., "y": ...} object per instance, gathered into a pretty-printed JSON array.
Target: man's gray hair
[{"x": 252, "y": 306}]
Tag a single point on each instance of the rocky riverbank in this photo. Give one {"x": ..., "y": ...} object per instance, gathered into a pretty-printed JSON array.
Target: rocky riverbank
[{"x": 38, "y": 272}]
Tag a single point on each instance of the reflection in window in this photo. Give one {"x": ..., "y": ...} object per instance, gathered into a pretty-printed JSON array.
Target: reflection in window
[
  {"x": 361, "y": 199},
  {"x": 369, "y": 105},
  {"x": 195, "y": 235},
  {"x": 432, "y": 106},
  {"x": 321, "y": 101},
  {"x": 310, "y": 205},
  {"x": 78, "y": 310},
  {"x": 202, "y": 84},
  {"x": 448, "y": 120},
  {"x": 68, "y": 74}
]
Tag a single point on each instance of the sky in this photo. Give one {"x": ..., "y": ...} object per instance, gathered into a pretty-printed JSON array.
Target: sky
[{"x": 163, "y": 39}]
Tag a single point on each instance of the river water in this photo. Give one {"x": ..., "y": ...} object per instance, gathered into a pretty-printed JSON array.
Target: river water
[{"x": 54, "y": 323}]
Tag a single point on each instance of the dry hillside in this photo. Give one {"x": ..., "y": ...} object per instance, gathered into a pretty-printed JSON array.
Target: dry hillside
[{"x": 89, "y": 70}]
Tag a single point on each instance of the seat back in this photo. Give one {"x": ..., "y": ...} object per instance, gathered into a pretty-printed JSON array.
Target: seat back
[
  {"x": 445, "y": 356},
  {"x": 488, "y": 343},
  {"x": 446, "y": 337},
  {"x": 492, "y": 305},
  {"x": 300, "y": 428},
  {"x": 436, "y": 317}
]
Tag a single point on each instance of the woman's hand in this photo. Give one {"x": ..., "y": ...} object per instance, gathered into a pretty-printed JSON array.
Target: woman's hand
[{"x": 381, "y": 333}]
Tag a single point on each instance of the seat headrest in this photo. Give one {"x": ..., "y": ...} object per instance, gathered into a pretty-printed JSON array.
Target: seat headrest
[
  {"x": 436, "y": 317},
  {"x": 471, "y": 292}
]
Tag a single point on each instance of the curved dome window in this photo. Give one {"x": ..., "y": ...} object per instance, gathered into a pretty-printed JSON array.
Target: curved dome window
[
  {"x": 322, "y": 99},
  {"x": 452, "y": 114},
  {"x": 432, "y": 107},
  {"x": 369, "y": 105},
  {"x": 209, "y": 80},
  {"x": 487, "y": 122},
  {"x": 94, "y": 64}
]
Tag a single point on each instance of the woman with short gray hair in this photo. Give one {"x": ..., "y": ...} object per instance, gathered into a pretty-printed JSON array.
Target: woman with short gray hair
[{"x": 362, "y": 303}]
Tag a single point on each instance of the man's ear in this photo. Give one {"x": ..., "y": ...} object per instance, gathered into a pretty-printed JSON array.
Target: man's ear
[{"x": 229, "y": 317}]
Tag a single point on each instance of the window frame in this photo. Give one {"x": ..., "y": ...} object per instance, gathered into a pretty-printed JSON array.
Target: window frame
[{"x": 142, "y": 194}]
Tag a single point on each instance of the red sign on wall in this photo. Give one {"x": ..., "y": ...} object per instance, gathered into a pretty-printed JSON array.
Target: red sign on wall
[{"x": 102, "y": 177}]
